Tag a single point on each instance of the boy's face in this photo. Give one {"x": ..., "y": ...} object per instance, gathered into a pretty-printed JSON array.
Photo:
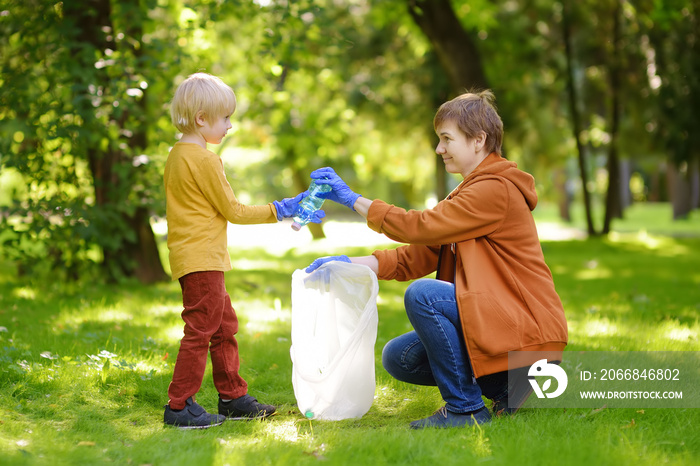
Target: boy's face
[
  {"x": 214, "y": 131},
  {"x": 459, "y": 154}
]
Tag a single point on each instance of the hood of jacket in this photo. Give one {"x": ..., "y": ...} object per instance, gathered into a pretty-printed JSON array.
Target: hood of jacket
[{"x": 495, "y": 165}]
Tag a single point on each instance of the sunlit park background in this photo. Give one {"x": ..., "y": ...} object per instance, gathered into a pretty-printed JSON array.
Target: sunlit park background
[{"x": 599, "y": 100}]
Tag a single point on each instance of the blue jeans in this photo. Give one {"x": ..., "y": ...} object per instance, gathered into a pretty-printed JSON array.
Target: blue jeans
[{"x": 435, "y": 354}]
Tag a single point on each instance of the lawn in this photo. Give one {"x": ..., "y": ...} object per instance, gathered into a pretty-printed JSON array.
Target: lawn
[{"x": 84, "y": 368}]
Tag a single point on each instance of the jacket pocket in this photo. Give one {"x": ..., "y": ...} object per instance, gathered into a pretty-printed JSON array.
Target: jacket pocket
[{"x": 489, "y": 327}]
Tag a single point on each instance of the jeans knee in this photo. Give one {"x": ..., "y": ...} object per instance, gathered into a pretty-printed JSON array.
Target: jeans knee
[
  {"x": 415, "y": 292},
  {"x": 388, "y": 359}
]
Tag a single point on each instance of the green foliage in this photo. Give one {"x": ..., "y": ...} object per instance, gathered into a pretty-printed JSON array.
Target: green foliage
[
  {"x": 84, "y": 120},
  {"x": 523, "y": 55},
  {"x": 672, "y": 29},
  {"x": 327, "y": 84},
  {"x": 74, "y": 106}
]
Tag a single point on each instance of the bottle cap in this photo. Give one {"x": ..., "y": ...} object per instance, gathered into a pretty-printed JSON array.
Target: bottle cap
[{"x": 296, "y": 226}]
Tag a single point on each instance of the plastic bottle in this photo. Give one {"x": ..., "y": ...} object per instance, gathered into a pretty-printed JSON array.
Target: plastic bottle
[{"x": 310, "y": 204}]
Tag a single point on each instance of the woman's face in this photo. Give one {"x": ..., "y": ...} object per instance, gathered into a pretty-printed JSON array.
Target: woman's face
[{"x": 459, "y": 154}]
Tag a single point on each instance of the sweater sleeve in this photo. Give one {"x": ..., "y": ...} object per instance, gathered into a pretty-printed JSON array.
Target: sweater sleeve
[
  {"x": 406, "y": 262},
  {"x": 476, "y": 211},
  {"x": 216, "y": 188}
]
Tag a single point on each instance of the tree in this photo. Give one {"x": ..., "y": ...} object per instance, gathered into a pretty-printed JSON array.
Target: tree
[
  {"x": 84, "y": 127},
  {"x": 673, "y": 68},
  {"x": 576, "y": 118},
  {"x": 457, "y": 54},
  {"x": 613, "y": 200},
  {"x": 76, "y": 107},
  {"x": 600, "y": 63},
  {"x": 111, "y": 161},
  {"x": 455, "y": 48},
  {"x": 329, "y": 83}
]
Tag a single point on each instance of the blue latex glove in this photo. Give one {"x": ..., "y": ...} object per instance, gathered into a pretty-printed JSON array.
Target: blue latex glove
[
  {"x": 286, "y": 208},
  {"x": 317, "y": 216},
  {"x": 322, "y": 260},
  {"x": 341, "y": 193}
]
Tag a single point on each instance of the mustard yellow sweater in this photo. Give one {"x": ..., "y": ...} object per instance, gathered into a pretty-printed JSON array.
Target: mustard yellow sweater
[{"x": 199, "y": 205}]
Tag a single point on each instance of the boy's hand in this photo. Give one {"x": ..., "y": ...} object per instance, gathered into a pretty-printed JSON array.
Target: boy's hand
[
  {"x": 322, "y": 260},
  {"x": 286, "y": 208},
  {"x": 341, "y": 193}
]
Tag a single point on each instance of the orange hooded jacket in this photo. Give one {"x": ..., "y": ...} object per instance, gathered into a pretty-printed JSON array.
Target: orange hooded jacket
[{"x": 483, "y": 239}]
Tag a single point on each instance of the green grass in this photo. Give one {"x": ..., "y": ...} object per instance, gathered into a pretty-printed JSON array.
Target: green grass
[{"x": 84, "y": 370}]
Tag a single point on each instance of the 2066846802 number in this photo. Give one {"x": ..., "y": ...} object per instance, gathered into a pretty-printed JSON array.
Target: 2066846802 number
[{"x": 640, "y": 374}]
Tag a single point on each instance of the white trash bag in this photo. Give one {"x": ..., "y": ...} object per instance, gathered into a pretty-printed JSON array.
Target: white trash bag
[{"x": 334, "y": 329}]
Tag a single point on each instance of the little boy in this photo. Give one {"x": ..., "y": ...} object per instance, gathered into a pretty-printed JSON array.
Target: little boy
[{"x": 199, "y": 205}]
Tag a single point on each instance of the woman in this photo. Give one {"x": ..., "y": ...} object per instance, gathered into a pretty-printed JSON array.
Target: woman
[{"x": 493, "y": 293}]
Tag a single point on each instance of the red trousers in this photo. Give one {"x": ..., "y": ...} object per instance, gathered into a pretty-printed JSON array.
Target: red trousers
[{"x": 210, "y": 326}]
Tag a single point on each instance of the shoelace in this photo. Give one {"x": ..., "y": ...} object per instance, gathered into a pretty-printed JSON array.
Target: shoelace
[{"x": 442, "y": 411}]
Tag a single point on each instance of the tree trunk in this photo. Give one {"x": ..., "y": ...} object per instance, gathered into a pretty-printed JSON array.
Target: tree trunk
[
  {"x": 564, "y": 197},
  {"x": 613, "y": 199},
  {"x": 625, "y": 178},
  {"x": 454, "y": 48},
  {"x": 144, "y": 252},
  {"x": 458, "y": 57},
  {"x": 139, "y": 257},
  {"x": 694, "y": 179},
  {"x": 575, "y": 118},
  {"x": 680, "y": 190},
  {"x": 149, "y": 268}
]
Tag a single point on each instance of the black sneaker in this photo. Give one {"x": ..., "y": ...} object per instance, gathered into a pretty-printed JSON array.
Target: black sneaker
[
  {"x": 519, "y": 390},
  {"x": 245, "y": 407},
  {"x": 192, "y": 416}
]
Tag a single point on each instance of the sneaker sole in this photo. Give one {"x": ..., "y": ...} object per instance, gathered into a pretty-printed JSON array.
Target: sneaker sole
[
  {"x": 177, "y": 426},
  {"x": 247, "y": 418}
]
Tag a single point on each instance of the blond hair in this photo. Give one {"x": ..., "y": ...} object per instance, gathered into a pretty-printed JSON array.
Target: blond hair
[
  {"x": 201, "y": 92},
  {"x": 474, "y": 112}
]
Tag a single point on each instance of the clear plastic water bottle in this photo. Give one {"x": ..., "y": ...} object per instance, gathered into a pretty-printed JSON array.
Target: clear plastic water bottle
[{"x": 310, "y": 204}]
